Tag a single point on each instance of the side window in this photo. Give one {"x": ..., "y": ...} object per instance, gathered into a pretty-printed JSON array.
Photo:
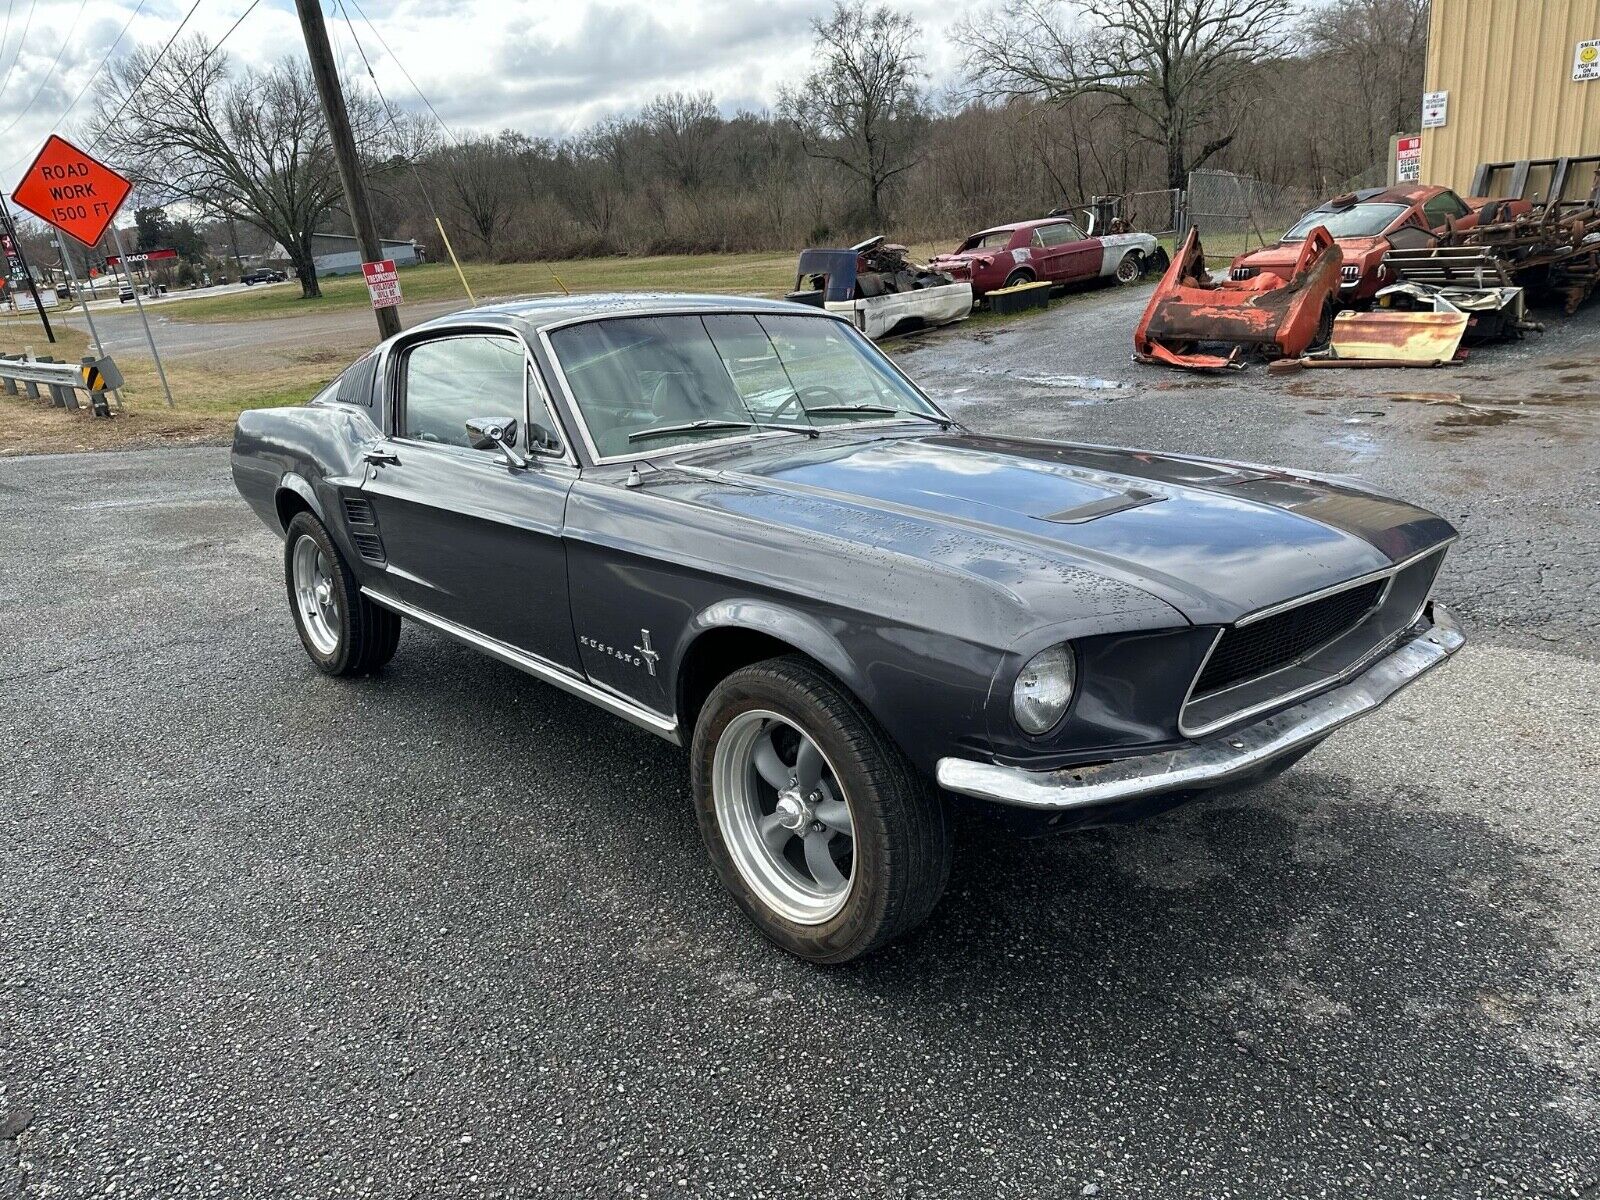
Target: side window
[
  {"x": 454, "y": 379},
  {"x": 1443, "y": 207},
  {"x": 1060, "y": 235}
]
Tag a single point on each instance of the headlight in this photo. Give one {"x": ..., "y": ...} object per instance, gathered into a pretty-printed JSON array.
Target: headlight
[{"x": 1044, "y": 689}]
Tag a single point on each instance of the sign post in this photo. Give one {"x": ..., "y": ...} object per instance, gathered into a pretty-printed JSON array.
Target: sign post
[
  {"x": 88, "y": 313},
  {"x": 383, "y": 282},
  {"x": 80, "y": 195},
  {"x": 116, "y": 236},
  {"x": 13, "y": 249}
]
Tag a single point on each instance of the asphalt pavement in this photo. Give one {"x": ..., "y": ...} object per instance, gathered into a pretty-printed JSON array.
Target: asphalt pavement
[{"x": 448, "y": 932}]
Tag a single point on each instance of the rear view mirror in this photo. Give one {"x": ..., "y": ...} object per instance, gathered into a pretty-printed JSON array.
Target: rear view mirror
[{"x": 487, "y": 433}]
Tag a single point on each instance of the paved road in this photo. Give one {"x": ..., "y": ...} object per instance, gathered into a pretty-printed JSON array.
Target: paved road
[{"x": 450, "y": 933}]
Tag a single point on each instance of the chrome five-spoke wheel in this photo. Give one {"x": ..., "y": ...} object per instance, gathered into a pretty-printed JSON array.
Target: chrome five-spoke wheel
[
  {"x": 314, "y": 595},
  {"x": 785, "y": 817}
]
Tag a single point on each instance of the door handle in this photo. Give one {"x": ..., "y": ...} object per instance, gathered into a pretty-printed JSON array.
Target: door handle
[{"x": 379, "y": 455}]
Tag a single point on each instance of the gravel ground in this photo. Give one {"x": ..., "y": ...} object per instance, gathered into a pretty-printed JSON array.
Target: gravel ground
[{"x": 449, "y": 932}]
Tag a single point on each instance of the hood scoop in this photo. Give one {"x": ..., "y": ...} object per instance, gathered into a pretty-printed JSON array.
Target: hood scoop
[{"x": 1104, "y": 507}]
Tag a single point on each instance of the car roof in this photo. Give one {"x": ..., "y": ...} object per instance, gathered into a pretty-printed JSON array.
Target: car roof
[
  {"x": 541, "y": 312},
  {"x": 1016, "y": 225},
  {"x": 1416, "y": 193}
]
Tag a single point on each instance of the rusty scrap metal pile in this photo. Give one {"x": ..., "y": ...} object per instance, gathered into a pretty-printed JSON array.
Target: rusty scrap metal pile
[
  {"x": 1408, "y": 296},
  {"x": 1555, "y": 249}
]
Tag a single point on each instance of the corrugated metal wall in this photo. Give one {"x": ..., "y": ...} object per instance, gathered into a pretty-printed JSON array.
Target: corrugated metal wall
[{"x": 1507, "y": 65}]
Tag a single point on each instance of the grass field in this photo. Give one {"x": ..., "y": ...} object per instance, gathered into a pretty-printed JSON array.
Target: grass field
[
  {"x": 208, "y": 396},
  {"x": 757, "y": 274}
]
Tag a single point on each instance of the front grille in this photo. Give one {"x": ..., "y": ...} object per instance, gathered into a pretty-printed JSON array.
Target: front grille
[{"x": 1284, "y": 638}]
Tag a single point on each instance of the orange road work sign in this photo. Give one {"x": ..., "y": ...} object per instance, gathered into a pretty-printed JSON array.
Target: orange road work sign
[{"x": 68, "y": 189}]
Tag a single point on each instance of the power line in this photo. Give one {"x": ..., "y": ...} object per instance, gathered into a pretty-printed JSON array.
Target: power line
[
  {"x": 39, "y": 91},
  {"x": 6, "y": 36},
  {"x": 448, "y": 133},
  {"x": 133, "y": 91},
  {"x": 26, "y": 25},
  {"x": 112, "y": 49}
]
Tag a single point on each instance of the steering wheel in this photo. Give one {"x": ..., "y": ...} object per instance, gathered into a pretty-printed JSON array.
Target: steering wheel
[{"x": 795, "y": 398}]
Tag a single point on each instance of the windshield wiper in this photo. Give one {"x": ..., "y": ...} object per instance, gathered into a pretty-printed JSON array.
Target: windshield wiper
[
  {"x": 826, "y": 409},
  {"x": 687, "y": 427},
  {"x": 809, "y": 430}
]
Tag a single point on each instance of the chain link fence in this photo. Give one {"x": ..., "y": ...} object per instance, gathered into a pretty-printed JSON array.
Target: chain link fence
[
  {"x": 1159, "y": 212},
  {"x": 1220, "y": 202}
]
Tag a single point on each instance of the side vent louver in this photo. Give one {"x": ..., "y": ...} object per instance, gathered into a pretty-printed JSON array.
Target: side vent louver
[
  {"x": 363, "y": 524},
  {"x": 358, "y": 511}
]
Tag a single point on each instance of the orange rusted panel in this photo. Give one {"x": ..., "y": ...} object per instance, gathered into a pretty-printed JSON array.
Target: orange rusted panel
[
  {"x": 1265, "y": 313},
  {"x": 1399, "y": 336}
]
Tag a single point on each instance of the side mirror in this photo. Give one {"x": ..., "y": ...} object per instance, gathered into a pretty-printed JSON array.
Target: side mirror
[{"x": 487, "y": 433}]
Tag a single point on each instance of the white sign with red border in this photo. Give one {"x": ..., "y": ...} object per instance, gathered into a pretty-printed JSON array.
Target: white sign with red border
[
  {"x": 383, "y": 281},
  {"x": 1408, "y": 160}
]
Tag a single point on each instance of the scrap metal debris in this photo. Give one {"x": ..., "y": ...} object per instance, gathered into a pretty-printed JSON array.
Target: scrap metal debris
[{"x": 1266, "y": 313}]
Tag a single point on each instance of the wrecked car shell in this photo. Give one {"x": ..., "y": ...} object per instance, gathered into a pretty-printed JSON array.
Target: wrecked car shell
[
  {"x": 877, "y": 289},
  {"x": 1265, "y": 313}
]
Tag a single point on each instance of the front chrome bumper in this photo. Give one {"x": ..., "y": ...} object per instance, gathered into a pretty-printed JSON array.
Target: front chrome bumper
[{"x": 1216, "y": 761}]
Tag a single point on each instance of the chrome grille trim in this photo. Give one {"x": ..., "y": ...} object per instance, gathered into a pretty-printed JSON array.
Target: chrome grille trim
[{"x": 1387, "y": 573}]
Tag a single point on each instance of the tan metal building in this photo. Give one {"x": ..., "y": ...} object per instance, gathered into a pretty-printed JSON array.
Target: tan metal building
[{"x": 1507, "y": 69}]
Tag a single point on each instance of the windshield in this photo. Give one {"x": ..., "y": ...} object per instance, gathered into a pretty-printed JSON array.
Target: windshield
[
  {"x": 645, "y": 384},
  {"x": 1360, "y": 220}
]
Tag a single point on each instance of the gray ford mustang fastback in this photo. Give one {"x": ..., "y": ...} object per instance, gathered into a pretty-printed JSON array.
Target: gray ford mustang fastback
[{"x": 737, "y": 524}]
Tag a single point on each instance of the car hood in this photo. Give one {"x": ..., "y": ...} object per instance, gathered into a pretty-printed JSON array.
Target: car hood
[
  {"x": 1284, "y": 255},
  {"x": 1212, "y": 540}
]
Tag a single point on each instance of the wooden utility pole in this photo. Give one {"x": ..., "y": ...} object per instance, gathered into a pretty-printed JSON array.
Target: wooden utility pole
[{"x": 344, "y": 146}]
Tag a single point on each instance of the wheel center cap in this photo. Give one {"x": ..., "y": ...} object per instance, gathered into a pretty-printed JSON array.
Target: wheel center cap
[{"x": 792, "y": 811}]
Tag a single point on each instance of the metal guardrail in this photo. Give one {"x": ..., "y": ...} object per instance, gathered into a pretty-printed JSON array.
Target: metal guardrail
[{"x": 93, "y": 376}]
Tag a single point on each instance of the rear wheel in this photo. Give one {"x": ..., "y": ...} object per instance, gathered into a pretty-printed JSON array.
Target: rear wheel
[
  {"x": 343, "y": 632},
  {"x": 816, "y": 823},
  {"x": 1019, "y": 276},
  {"x": 1324, "y": 334}
]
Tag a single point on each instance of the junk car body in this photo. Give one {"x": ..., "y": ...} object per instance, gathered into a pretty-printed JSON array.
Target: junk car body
[
  {"x": 1366, "y": 225},
  {"x": 876, "y": 287},
  {"x": 738, "y": 525},
  {"x": 1049, "y": 250}
]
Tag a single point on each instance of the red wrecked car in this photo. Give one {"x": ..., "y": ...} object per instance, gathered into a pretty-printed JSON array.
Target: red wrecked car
[
  {"x": 1367, "y": 224},
  {"x": 1051, "y": 249}
]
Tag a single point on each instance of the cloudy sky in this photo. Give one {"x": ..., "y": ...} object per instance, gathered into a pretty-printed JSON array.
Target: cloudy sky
[{"x": 542, "y": 67}]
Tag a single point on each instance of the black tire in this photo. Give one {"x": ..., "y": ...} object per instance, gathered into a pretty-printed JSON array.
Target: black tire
[
  {"x": 367, "y": 634},
  {"x": 1131, "y": 268},
  {"x": 1324, "y": 333},
  {"x": 901, "y": 828},
  {"x": 1021, "y": 275}
]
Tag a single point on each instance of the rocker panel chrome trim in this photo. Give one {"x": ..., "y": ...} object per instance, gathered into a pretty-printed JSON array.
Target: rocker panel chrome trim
[{"x": 656, "y": 723}]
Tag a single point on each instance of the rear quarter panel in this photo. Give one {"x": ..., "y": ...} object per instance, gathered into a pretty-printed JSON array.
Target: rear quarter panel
[{"x": 314, "y": 451}]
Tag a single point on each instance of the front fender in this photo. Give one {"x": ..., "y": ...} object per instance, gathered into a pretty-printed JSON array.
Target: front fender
[{"x": 801, "y": 630}]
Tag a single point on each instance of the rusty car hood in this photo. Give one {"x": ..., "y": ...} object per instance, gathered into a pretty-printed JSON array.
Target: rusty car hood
[
  {"x": 1281, "y": 257},
  {"x": 1212, "y": 540}
]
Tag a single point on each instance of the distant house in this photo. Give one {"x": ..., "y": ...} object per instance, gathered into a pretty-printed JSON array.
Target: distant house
[{"x": 340, "y": 253}]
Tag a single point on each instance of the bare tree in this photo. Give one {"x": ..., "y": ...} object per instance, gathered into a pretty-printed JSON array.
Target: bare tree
[
  {"x": 481, "y": 176},
  {"x": 863, "y": 107},
  {"x": 683, "y": 131},
  {"x": 1379, "y": 49},
  {"x": 1176, "y": 64},
  {"x": 252, "y": 146}
]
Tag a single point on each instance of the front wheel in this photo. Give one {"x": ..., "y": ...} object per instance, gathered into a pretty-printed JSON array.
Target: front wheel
[
  {"x": 1131, "y": 267},
  {"x": 343, "y": 632},
  {"x": 816, "y": 823}
]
